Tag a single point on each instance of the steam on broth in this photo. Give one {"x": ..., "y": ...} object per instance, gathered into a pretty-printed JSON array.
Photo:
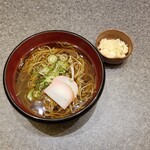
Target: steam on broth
[{"x": 39, "y": 69}]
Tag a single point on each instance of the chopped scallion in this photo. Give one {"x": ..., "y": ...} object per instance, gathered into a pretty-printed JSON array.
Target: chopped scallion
[
  {"x": 52, "y": 59},
  {"x": 63, "y": 57},
  {"x": 30, "y": 95}
]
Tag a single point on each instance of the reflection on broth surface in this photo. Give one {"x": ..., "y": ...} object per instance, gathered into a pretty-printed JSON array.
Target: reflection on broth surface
[{"x": 39, "y": 69}]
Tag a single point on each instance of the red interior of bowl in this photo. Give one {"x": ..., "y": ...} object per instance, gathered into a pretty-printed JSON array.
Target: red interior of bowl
[{"x": 44, "y": 38}]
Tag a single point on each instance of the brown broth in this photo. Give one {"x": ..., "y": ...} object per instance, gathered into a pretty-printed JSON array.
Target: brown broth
[{"x": 22, "y": 89}]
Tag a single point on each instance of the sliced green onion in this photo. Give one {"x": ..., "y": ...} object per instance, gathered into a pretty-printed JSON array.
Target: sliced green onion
[
  {"x": 30, "y": 95},
  {"x": 51, "y": 68},
  {"x": 63, "y": 57},
  {"x": 46, "y": 84},
  {"x": 65, "y": 65},
  {"x": 41, "y": 86},
  {"x": 52, "y": 59},
  {"x": 62, "y": 64},
  {"x": 50, "y": 78},
  {"x": 62, "y": 71},
  {"x": 44, "y": 71},
  {"x": 36, "y": 94}
]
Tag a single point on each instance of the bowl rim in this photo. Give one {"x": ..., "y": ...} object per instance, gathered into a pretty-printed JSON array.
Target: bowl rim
[
  {"x": 36, "y": 118},
  {"x": 116, "y": 30}
]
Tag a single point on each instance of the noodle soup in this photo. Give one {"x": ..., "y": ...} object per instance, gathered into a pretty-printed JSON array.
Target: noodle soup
[{"x": 39, "y": 70}]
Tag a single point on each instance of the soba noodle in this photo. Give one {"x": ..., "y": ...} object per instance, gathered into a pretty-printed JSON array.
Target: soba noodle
[{"x": 37, "y": 73}]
